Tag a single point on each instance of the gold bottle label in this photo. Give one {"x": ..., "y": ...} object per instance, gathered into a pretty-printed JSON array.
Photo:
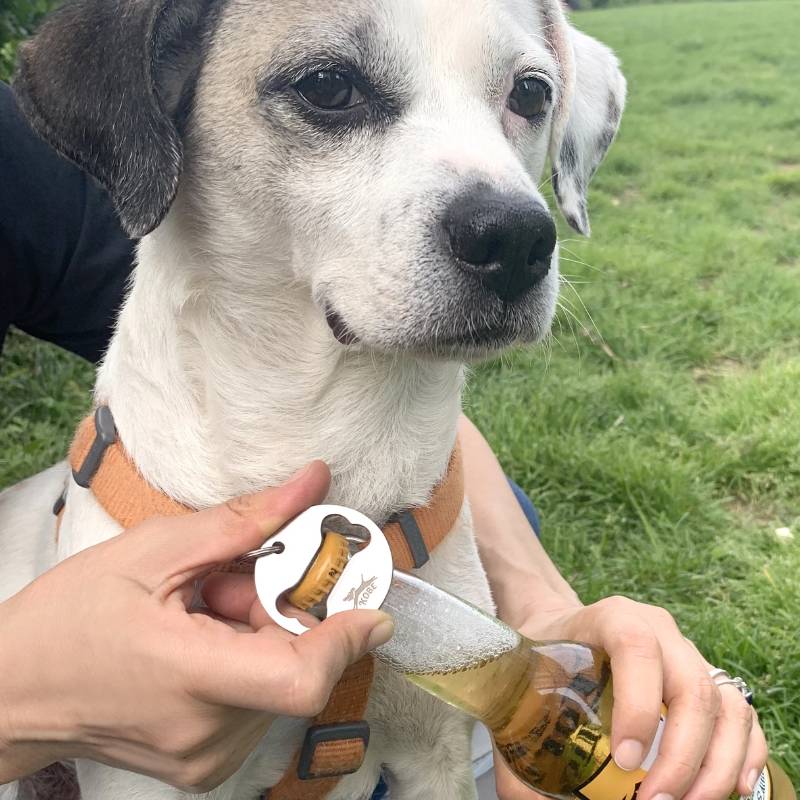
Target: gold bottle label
[
  {"x": 763, "y": 787},
  {"x": 612, "y": 783}
]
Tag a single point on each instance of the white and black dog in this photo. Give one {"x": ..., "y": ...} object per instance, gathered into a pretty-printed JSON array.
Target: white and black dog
[{"x": 338, "y": 206}]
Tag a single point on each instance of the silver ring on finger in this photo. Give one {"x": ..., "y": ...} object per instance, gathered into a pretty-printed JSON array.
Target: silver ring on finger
[{"x": 722, "y": 678}]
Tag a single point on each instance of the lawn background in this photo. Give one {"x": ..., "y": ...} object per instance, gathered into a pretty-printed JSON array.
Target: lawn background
[{"x": 659, "y": 430}]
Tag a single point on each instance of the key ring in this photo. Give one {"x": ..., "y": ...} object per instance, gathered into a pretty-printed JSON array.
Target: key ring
[{"x": 251, "y": 557}]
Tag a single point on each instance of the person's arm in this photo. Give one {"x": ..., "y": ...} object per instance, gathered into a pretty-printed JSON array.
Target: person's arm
[
  {"x": 712, "y": 745},
  {"x": 100, "y": 659},
  {"x": 64, "y": 259},
  {"x": 523, "y": 578}
]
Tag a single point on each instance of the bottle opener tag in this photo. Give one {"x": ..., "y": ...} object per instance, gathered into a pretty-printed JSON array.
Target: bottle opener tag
[{"x": 285, "y": 557}]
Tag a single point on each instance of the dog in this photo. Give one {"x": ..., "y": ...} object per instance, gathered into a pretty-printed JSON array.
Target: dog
[{"x": 339, "y": 207}]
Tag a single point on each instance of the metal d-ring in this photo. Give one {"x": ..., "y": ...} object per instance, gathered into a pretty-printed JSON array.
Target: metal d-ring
[{"x": 250, "y": 558}]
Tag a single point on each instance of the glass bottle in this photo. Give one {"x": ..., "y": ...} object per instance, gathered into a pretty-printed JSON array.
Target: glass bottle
[{"x": 547, "y": 704}]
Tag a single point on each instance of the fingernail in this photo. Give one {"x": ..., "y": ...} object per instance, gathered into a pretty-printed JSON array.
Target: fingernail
[
  {"x": 663, "y": 796},
  {"x": 299, "y": 475},
  {"x": 381, "y": 633},
  {"x": 629, "y": 754},
  {"x": 752, "y": 778}
]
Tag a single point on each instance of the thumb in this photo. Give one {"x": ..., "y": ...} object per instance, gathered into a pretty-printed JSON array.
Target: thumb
[
  {"x": 275, "y": 672},
  {"x": 341, "y": 640},
  {"x": 167, "y": 552}
]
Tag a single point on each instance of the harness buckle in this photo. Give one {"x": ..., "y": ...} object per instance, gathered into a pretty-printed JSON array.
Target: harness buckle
[
  {"x": 332, "y": 750},
  {"x": 105, "y": 436},
  {"x": 413, "y": 536}
]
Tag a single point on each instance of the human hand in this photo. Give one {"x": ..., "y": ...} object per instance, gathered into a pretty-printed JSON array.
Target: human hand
[
  {"x": 712, "y": 743},
  {"x": 101, "y": 659}
]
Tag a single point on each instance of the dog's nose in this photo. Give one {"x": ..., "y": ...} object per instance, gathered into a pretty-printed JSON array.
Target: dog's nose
[{"x": 505, "y": 240}]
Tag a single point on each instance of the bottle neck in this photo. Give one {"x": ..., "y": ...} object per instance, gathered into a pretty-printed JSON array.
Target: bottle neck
[{"x": 436, "y": 632}]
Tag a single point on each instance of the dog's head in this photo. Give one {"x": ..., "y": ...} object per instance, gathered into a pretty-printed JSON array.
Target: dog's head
[{"x": 391, "y": 149}]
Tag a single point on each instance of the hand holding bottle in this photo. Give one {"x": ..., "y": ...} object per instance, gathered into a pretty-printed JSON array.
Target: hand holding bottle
[{"x": 712, "y": 744}]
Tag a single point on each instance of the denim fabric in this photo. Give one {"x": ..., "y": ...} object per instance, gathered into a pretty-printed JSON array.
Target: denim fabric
[
  {"x": 380, "y": 791},
  {"x": 528, "y": 508}
]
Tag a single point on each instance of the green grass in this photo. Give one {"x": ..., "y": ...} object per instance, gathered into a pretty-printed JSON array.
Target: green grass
[
  {"x": 660, "y": 435},
  {"x": 18, "y": 19},
  {"x": 660, "y": 430}
]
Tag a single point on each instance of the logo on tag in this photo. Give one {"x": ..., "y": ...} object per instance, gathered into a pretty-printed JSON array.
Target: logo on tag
[{"x": 360, "y": 594}]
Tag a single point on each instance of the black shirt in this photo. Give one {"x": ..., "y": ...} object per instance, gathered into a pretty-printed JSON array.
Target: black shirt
[{"x": 64, "y": 260}]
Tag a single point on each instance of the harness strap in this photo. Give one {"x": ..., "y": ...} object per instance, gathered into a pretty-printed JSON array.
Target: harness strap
[
  {"x": 317, "y": 766},
  {"x": 115, "y": 481},
  {"x": 337, "y": 740}
]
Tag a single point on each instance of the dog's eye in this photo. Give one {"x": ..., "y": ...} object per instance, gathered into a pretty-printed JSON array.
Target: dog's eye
[
  {"x": 529, "y": 97},
  {"x": 329, "y": 90}
]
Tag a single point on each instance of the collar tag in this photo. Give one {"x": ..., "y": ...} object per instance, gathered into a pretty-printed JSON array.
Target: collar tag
[{"x": 285, "y": 559}]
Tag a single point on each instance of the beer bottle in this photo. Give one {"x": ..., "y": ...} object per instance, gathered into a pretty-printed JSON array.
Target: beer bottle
[{"x": 547, "y": 704}]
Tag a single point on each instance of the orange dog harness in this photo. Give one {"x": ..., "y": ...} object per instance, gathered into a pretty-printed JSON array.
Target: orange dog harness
[{"x": 336, "y": 742}]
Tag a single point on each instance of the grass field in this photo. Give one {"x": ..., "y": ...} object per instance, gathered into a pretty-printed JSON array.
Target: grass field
[{"x": 660, "y": 430}]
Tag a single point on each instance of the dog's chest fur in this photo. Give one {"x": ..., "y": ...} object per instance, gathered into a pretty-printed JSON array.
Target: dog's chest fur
[{"x": 218, "y": 390}]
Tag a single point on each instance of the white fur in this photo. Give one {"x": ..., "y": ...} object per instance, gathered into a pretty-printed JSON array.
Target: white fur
[{"x": 223, "y": 375}]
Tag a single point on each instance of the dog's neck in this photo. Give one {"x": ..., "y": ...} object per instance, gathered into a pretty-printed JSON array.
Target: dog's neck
[{"x": 221, "y": 383}]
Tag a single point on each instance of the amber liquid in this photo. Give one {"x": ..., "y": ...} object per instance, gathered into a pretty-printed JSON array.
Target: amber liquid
[{"x": 548, "y": 706}]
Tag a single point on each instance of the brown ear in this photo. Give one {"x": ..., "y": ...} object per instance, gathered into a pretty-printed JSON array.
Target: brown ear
[
  {"x": 106, "y": 82},
  {"x": 588, "y": 115}
]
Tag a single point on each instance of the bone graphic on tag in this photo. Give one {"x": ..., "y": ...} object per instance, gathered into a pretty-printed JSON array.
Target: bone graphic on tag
[{"x": 336, "y": 523}]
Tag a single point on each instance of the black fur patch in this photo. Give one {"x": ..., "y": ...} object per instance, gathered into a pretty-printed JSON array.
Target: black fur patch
[
  {"x": 613, "y": 116},
  {"x": 556, "y": 181},
  {"x": 614, "y": 111},
  {"x": 568, "y": 157},
  {"x": 578, "y": 168},
  {"x": 94, "y": 83}
]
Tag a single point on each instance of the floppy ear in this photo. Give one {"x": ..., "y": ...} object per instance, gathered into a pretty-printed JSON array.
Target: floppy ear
[
  {"x": 586, "y": 122},
  {"x": 106, "y": 82}
]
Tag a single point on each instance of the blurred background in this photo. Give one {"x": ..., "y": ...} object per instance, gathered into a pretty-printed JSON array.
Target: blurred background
[{"x": 658, "y": 431}]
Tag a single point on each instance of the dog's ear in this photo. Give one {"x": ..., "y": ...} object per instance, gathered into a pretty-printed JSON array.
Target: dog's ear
[
  {"x": 106, "y": 83},
  {"x": 586, "y": 119}
]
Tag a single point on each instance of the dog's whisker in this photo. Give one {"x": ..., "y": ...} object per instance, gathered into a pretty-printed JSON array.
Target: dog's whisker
[
  {"x": 575, "y": 259},
  {"x": 602, "y": 342},
  {"x": 570, "y": 318}
]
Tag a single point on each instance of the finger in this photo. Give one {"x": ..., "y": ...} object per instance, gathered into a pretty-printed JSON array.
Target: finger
[
  {"x": 724, "y": 759},
  {"x": 278, "y": 673},
  {"x": 636, "y": 664},
  {"x": 230, "y": 595},
  {"x": 172, "y": 551},
  {"x": 617, "y": 625},
  {"x": 243, "y": 627},
  {"x": 227, "y": 753},
  {"x": 693, "y": 702},
  {"x": 755, "y": 759},
  {"x": 234, "y": 596}
]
